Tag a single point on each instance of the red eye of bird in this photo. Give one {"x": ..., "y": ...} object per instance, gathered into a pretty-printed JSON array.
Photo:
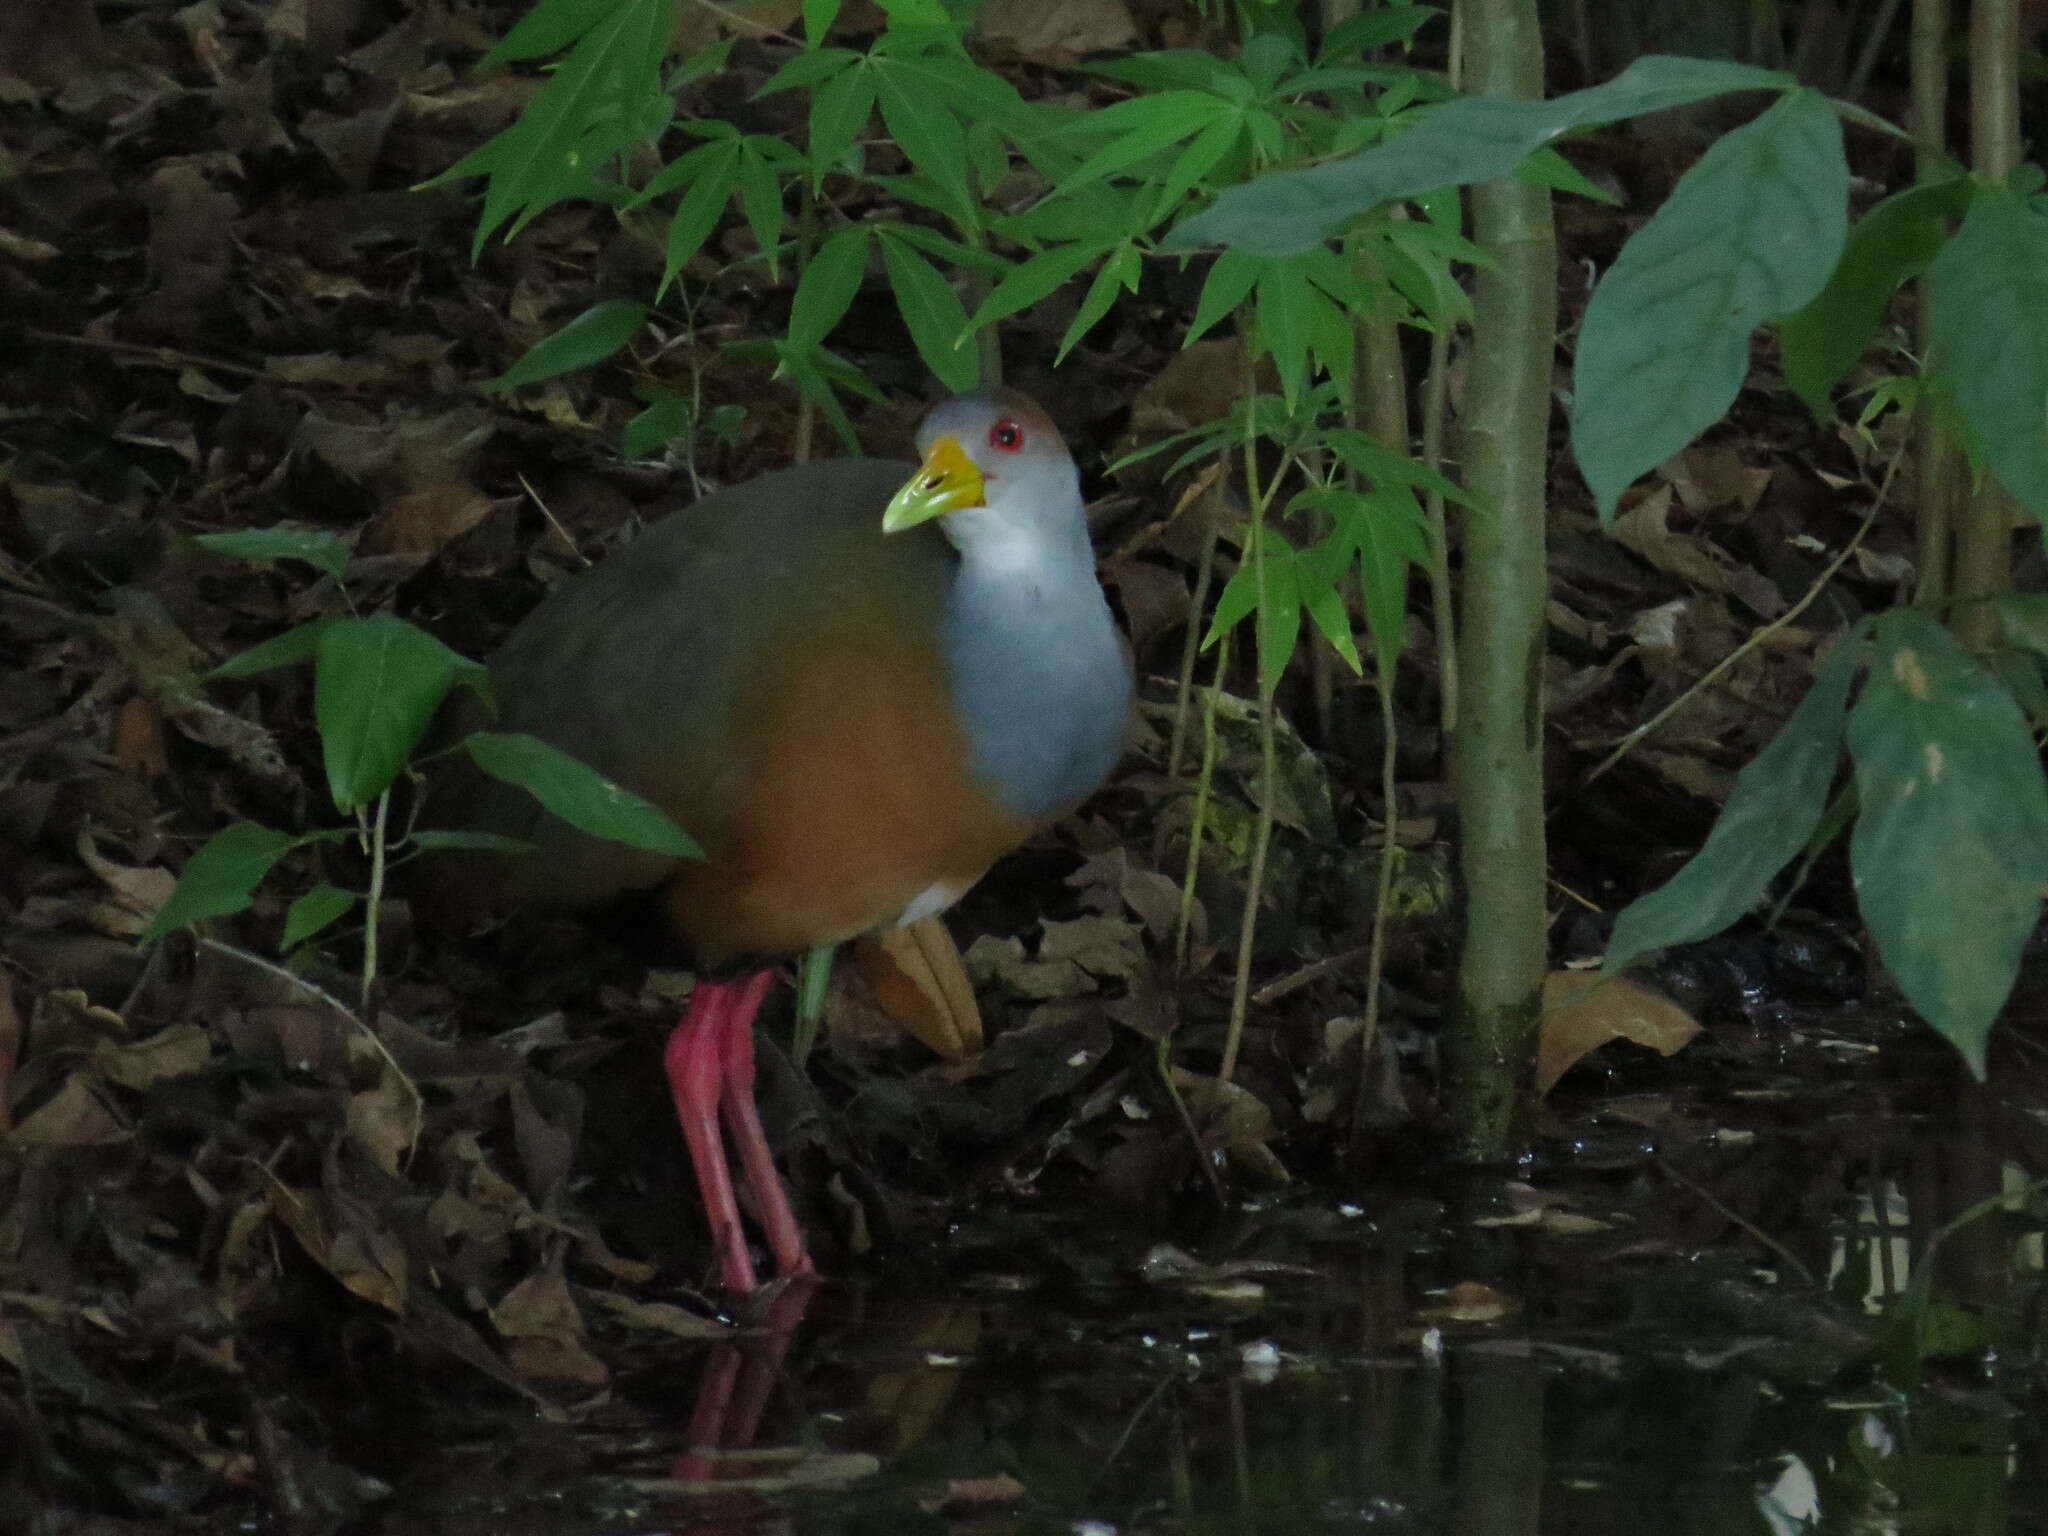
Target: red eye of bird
[{"x": 1006, "y": 435}]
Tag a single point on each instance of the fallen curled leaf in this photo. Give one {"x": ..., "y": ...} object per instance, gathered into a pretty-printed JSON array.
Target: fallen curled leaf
[
  {"x": 1583, "y": 1011},
  {"x": 1470, "y": 1301}
]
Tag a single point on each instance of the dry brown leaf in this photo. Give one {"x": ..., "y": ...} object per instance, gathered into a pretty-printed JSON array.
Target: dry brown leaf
[
  {"x": 177, "y": 1051},
  {"x": 421, "y": 522},
  {"x": 1058, "y": 31},
  {"x": 659, "y": 1317},
  {"x": 72, "y": 1117},
  {"x": 1582, "y": 1012}
]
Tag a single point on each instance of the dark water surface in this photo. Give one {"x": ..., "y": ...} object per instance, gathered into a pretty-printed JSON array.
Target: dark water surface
[{"x": 1704, "y": 1310}]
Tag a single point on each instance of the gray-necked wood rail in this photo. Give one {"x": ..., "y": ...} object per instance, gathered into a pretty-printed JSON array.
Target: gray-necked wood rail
[{"x": 856, "y": 684}]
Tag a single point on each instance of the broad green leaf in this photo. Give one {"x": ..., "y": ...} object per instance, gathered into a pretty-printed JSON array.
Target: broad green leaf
[
  {"x": 830, "y": 280},
  {"x": 1229, "y": 281},
  {"x": 590, "y": 338},
  {"x": 1265, "y": 58},
  {"x": 666, "y": 418},
  {"x": 316, "y": 546},
  {"x": 934, "y": 314},
  {"x": 376, "y": 685},
  {"x": 1122, "y": 270},
  {"x": 2023, "y": 618},
  {"x": 317, "y": 909},
  {"x": 1772, "y": 811},
  {"x": 1033, "y": 278},
  {"x": 1987, "y": 294},
  {"x": 1821, "y": 341},
  {"x": 577, "y": 793},
  {"x": 1950, "y": 850},
  {"x": 220, "y": 877},
  {"x": 1750, "y": 232},
  {"x": 1474, "y": 138},
  {"x": 297, "y": 644}
]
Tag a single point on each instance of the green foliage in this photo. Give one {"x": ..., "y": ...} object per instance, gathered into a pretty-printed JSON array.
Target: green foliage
[
  {"x": 1751, "y": 232},
  {"x": 1471, "y": 139},
  {"x": 378, "y": 685},
  {"x": 1893, "y": 242},
  {"x": 585, "y": 800},
  {"x": 1950, "y": 844},
  {"x": 1987, "y": 297}
]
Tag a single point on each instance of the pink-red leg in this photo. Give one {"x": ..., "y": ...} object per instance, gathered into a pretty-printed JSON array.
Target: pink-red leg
[
  {"x": 710, "y": 1062},
  {"x": 743, "y": 1119},
  {"x": 698, "y": 1079}
]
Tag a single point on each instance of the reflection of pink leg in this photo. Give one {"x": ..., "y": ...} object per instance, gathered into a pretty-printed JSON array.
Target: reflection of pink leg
[
  {"x": 698, "y": 1079},
  {"x": 743, "y": 1120},
  {"x": 738, "y": 1378}
]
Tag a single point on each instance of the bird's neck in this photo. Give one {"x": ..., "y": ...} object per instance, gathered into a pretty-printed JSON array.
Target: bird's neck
[{"x": 1036, "y": 671}]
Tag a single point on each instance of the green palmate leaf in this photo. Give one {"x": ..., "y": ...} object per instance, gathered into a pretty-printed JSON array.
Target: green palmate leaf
[
  {"x": 1373, "y": 29},
  {"x": 577, "y": 793},
  {"x": 590, "y": 338},
  {"x": 808, "y": 69},
  {"x": 761, "y": 201},
  {"x": 1384, "y": 527},
  {"x": 1286, "y": 317},
  {"x": 924, "y": 130},
  {"x": 1122, "y": 270},
  {"x": 1229, "y": 282},
  {"x": 471, "y": 842},
  {"x": 603, "y": 96},
  {"x": 1320, "y": 575},
  {"x": 1201, "y": 157},
  {"x": 666, "y": 418},
  {"x": 221, "y": 877},
  {"x": 1821, "y": 341},
  {"x": 1750, "y": 232},
  {"x": 698, "y": 213},
  {"x": 319, "y": 908},
  {"x": 295, "y": 645},
  {"x": 830, "y": 280},
  {"x": 818, "y": 18},
  {"x": 1772, "y": 811},
  {"x": 549, "y": 27},
  {"x": 839, "y": 111},
  {"x": 1987, "y": 294},
  {"x": 1950, "y": 851},
  {"x": 1278, "y": 607},
  {"x": 934, "y": 314},
  {"x": 318, "y": 548},
  {"x": 1475, "y": 138},
  {"x": 1547, "y": 168},
  {"x": 1035, "y": 277},
  {"x": 1142, "y": 127},
  {"x": 376, "y": 685}
]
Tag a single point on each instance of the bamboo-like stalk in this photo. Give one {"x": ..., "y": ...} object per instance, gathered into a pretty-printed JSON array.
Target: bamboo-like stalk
[
  {"x": 1983, "y": 533},
  {"x": 1935, "y": 475},
  {"x": 1500, "y": 732}
]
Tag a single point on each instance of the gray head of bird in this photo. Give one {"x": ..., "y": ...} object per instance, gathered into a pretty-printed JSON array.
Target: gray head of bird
[{"x": 998, "y": 475}]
